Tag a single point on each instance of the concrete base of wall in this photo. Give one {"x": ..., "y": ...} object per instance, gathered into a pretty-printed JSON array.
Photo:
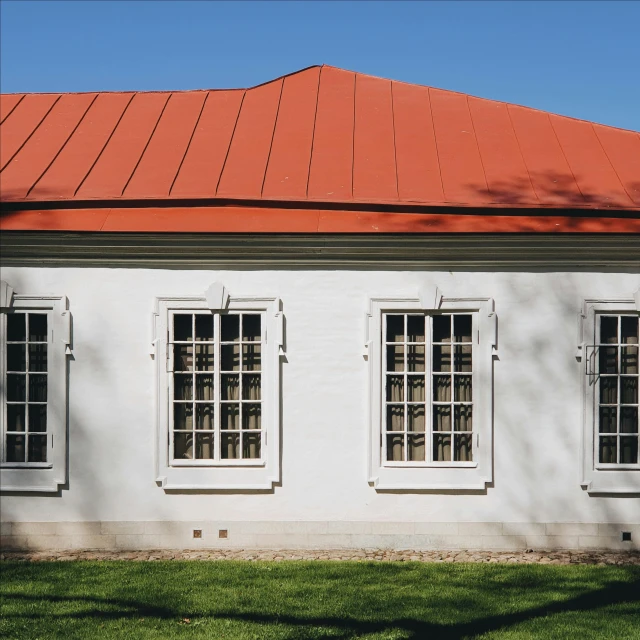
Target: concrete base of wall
[{"x": 484, "y": 536}]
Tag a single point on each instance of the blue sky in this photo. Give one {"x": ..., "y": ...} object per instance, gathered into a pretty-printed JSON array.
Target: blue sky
[{"x": 580, "y": 59}]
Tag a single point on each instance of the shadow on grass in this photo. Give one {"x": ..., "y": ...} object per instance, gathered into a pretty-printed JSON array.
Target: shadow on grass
[{"x": 615, "y": 593}]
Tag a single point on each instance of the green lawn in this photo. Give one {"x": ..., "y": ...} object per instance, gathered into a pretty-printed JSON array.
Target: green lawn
[{"x": 276, "y": 600}]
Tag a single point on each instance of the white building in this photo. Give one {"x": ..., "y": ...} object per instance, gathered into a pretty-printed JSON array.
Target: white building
[{"x": 328, "y": 311}]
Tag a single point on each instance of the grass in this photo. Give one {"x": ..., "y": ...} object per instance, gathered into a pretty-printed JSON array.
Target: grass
[{"x": 297, "y": 600}]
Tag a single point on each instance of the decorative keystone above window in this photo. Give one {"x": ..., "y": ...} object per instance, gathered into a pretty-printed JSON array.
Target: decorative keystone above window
[
  {"x": 35, "y": 339},
  {"x": 608, "y": 352},
  {"x": 218, "y": 425},
  {"x": 431, "y": 371}
]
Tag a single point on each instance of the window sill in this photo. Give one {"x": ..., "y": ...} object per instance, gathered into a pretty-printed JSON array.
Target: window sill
[
  {"x": 26, "y": 465},
  {"x": 207, "y": 464},
  {"x": 430, "y": 465}
]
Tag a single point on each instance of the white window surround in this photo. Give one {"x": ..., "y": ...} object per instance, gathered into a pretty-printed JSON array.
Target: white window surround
[
  {"x": 597, "y": 478},
  {"x": 46, "y": 476},
  {"x": 434, "y": 476},
  {"x": 224, "y": 475}
]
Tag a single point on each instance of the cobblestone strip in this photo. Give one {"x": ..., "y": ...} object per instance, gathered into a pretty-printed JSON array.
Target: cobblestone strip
[{"x": 525, "y": 557}]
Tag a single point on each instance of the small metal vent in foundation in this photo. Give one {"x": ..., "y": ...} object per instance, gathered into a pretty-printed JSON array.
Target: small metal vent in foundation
[
  {"x": 197, "y": 533},
  {"x": 223, "y": 533},
  {"x": 626, "y": 536}
]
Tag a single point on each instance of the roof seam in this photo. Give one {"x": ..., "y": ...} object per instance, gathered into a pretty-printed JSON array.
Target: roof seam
[
  {"x": 435, "y": 140},
  {"x": 64, "y": 144},
  {"x": 353, "y": 136},
  {"x": 606, "y": 155},
  {"x": 395, "y": 150},
  {"x": 273, "y": 134},
  {"x": 104, "y": 146},
  {"x": 233, "y": 133},
  {"x": 44, "y": 117},
  {"x": 193, "y": 133},
  {"x": 555, "y": 134},
  {"x": 475, "y": 138},
  {"x": 313, "y": 133},
  {"x": 524, "y": 162},
  {"x": 146, "y": 146},
  {"x": 15, "y": 106}
]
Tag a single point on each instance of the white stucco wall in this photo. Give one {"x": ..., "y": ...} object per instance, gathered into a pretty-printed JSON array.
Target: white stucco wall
[{"x": 537, "y": 386}]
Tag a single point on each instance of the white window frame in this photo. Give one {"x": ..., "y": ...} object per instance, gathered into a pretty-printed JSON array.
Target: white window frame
[
  {"x": 220, "y": 474},
  {"x": 433, "y": 476},
  {"x": 597, "y": 478},
  {"x": 47, "y": 476}
]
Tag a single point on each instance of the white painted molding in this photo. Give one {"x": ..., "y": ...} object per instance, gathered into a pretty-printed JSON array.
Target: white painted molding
[
  {"x": 430, "y": 297},
  {"x": 6, "y": 294},
  {"x": 217, "y": 296},
  {"x": 636, "y": 297}
]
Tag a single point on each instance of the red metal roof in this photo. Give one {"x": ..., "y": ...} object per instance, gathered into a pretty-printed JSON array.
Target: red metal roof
[{"x": 321, "y": 135}]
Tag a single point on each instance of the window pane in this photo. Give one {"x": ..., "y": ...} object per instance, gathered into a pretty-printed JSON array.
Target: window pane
[
  {"x": 462, "y": 449},
  {"x": 183, "y": 446},
  {"x": 251, "y": 328},
  {"x": 251, "y": 445},
  {"x": 230, "y": 355},
  {"x": 183, "y": 416},
  {"x": 442, "y": 328},
  {"x": 37, "y": 327},
  {"x": 395, "y": 328},
  {"x": 629, "y": 420},
  {"x": 204, "y": 386},
  {"x": 182, "y": 386},
  {"x": 37, "y": 357},
  {"x": 441, "y": 447},
  {"x": 629, "y": 360},
  {"x": 183, "y": 357},
  {"x": 395, "y": 417},
  {"x": 230, "y": 416},
  {"x": 463, "y": 418},
  {"x": 415, "y": 358},
  {"x": 442, "y": 388},
  {"x": 416, "y": 417},
  {"x": 608, "y": 390},
  {"x": 204, "y": 446},
  {"x": 441, "y": 418},
  {"x": 229, "y": 446},
  {"x": 415, "y": 388},
  {"x": 395, "y": 388},
  {"x": 182, "y": 327},
  {"x": 415, "y": 328},
  {"x": 15, "y": 448},
  {"x": 204, "y": 327},
  {"x": 416, "y": 448},
  {"x": 204, "y": 417},
  {"x": 608, "y": 419},
  {"x": 628, "y": 390},
  {"x": 16, "y": 360},
  {"x": 462, "y": 328},
  {"x": 16, "y": 387},
  {"x": 441, "y": 358},
  {"x": 251, "y": 387},
  {"x": 37, "y": 448},
  {"x": 16, "y": 328},
  {"x": 230, "y": 328},
  {"x": 37, "y": 388},
  {"x": 204, "y": 357},
  {"x": 395, "y": 358},
  {"x": 251, "y": 357},
  {"x": 608, "y": 359},
  {"x": 230, "y": 387},
  {"x": 464, "y": 388},
  {"x": 395, "y": 448},
  {"x": 15, "y": 417},
  {"x": 608, "y": 330},
  {"x": 37, "y": 417},
  {"x": 629, "y": 450},
  {"x": 463, "y": 358},
  {"x": 608, "y": 450},
  {"x": 251, "y": 416},
  {"x": 629, "y": 330}
]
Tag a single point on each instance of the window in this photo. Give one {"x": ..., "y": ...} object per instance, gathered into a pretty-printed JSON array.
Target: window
[
  {"x": 431, "y": 393},
  {"x": 218, "y": 418},
  {"x": 35, "y": 337},
  {"x": 610, "y": 344}
]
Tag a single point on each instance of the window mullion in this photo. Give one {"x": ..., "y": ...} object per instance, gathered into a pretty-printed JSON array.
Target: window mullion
[
  {"x": 217, "y": 367},
  {"x": 428, "y": 389}
]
